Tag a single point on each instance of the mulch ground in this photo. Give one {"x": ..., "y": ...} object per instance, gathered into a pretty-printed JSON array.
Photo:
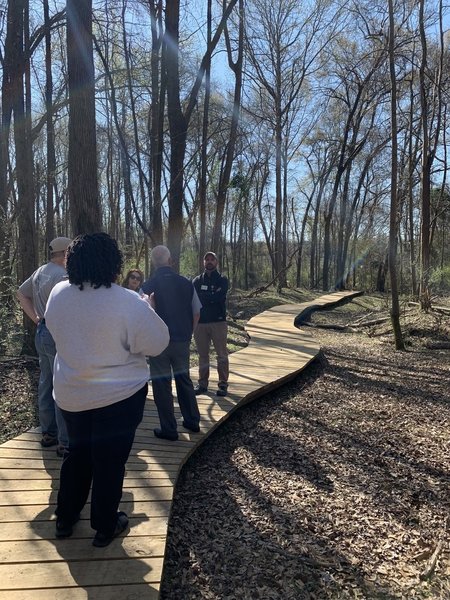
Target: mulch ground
[
  {"x": 335, "y": 486},
  {"x": 19, "y": 377}
]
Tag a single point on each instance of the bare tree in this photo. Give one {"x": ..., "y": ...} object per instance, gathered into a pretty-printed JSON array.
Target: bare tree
[
  {"x": 236, "y": 67},
  {"x": 51, "y": 157},
  {"x": 393, "y": 221},
  {"x": 179, "y": 119},
  {"x": 82, "y": 162},
  {"x": 428, "y": 89}
]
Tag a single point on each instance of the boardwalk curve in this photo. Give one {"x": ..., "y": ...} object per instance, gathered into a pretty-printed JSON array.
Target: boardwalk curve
[{"x": 34, "y": 565}]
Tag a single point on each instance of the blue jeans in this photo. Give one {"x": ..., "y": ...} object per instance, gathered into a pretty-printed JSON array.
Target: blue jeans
[{"x": 50, "y": 416}]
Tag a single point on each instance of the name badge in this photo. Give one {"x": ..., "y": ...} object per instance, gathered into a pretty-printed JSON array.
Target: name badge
[{"x": 204, "y": 287}]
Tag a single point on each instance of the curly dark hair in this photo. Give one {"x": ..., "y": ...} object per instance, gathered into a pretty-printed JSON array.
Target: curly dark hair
[{"x": 93, "y": 258}]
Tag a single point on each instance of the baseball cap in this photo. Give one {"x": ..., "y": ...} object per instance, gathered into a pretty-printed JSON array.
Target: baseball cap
[
  {"x": 213, "y": 254},
  {"x": 59, "y": 244}
]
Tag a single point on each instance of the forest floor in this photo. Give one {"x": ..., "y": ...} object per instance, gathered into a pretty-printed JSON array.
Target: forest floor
[{"x": 334, "y": 486}]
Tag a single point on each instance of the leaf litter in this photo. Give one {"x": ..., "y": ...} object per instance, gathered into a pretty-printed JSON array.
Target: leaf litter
[{"x": 334, "y": 486}]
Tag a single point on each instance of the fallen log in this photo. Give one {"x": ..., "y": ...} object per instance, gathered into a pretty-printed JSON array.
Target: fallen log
[
  {"x": 438, "y": 345},
  {"x": 326, "y": 326},
  {"x": 372, "y": 322},
  {"x": 442, "y": 309}
]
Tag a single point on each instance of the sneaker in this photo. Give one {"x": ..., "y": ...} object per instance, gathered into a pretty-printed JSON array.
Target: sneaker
[
  {"x": 64, "y": 529},
  {"x": 159, "y": 433},
  {"x": 48, "y": 440},
  {"x": 222, "y": 391},
  {"x": 200, "y": 389},
  {"x": 193, "y": 428},
  {"x": 101, "y": 539}
]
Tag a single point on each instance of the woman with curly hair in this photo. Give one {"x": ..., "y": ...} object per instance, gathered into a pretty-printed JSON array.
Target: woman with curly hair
[
  {"x": 133, "y": 281},
  {"x": 102, "y": 334}
]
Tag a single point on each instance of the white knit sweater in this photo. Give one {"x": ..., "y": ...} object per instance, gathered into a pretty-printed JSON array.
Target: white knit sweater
[{"x": 102, "y": 337}]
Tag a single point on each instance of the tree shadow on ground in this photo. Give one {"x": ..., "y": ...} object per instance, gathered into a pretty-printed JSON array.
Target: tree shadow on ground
[{"x": 311, "y": 493}]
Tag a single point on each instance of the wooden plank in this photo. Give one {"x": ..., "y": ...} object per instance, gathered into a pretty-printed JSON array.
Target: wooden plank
[
  {"x": 150, "y": 454},
  {"x": 80, "y": 573},
  {"x": 40, "y": 512},
  {"x": 17, "y": 484},
  {"x": 36, "y": 551},
  {"x": 37, "y": 465},
  {"x": 149, "y": 492},
  {"x": 142, "y": 524},
  {"x": 134, "y": 591}
]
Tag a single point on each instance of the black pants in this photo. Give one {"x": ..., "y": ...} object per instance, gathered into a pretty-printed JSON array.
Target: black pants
[
  {"x": 174, "y": 358},
  {"x": 100, "y": 443}
]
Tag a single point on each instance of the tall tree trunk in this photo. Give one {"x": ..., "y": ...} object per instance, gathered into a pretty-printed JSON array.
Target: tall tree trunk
[
  {"x": 27, "y": 247},
  {"x": 51, "y": 157},
  {"x": 83, "y": 193},
  {"x": 236, "y": 67},
  {"x": 8, "y": 89},
  {"x": 137, "y": 155},
  {"x": 177, "y": 130},
  {"x": 425, "y": 174},
  {"x": 158, "y": 78},
  {"x": 23, "y": 147},
  {"x": 395, "y": 311},
  {"x": 282, "y": 280},
  {"x": 178, "y": 121},
  {"x": 278, "y": 242},
  {"x": 204, "y": 149},
  {"x": 410, "y": 187},
  {"x": 428, "y": 149}
]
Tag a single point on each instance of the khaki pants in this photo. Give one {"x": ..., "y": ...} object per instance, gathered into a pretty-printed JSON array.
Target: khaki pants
[{"x": 204, "y": 334}]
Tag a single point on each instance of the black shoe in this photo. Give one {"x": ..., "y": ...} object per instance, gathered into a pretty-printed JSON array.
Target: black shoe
[
  {"x": 61, "y": 451},
  {"x": 64, "y": 529},
  {"x": 200, "y": 389},
  {"x": 165, "y": 436},
  {"x": 48, "y": 440},
  {"x": 101, "y": 539},
  {"x": 193, "y": 428},
  {"x": 222, "y": 391}
]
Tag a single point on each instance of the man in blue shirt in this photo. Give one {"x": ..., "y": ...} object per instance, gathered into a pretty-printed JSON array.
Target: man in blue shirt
[{"x": 177, "y": 303}]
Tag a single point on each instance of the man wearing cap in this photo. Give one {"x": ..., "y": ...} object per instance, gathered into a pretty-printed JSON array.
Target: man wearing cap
[
  {"x": 33, "y": 295},
  {"x": 212, "y": 288}
]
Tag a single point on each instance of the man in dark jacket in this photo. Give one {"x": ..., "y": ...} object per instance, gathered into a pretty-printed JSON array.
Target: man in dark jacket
[
  {"x": 212, "y": 288},
  {"x": 176, "y": 302}
]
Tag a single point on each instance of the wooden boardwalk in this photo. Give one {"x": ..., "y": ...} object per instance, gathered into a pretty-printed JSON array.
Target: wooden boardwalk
[{"x": 34, "y": 565}]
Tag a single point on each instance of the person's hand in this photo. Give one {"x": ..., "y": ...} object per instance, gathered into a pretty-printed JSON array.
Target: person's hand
[{"x": 150, "y": 299}]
